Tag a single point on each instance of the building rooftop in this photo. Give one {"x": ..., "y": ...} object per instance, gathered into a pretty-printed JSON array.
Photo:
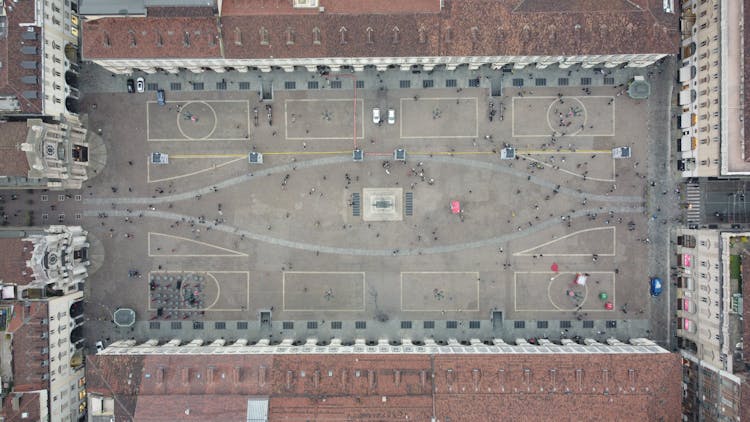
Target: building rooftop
[
  {"x": 390, "y": 386},
  {"x": 346, "y": 7},
  {"x": 15, "y": 252},
  {"x": 29, "y": 347},
  {"x": 24, "y": 406},
  {"x": 20, "y": 74},
  {"x": 462, "y": 28},
  {"x": 746, "y": 81},
  {"x": 13, "y": 160}
]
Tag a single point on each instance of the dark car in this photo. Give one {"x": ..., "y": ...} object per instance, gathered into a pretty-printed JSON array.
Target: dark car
[
  {"x": 131, "y": 86},
  {"x": 160, "y": 98}
]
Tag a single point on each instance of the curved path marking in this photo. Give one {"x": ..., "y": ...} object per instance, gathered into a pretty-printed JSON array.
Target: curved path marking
[
  {"x": 287, "y": 168},
  {"x": 457, "y": 247}
]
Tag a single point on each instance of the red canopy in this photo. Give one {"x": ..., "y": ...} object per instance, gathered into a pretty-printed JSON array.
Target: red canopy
[{"x": 455, "y": 207}]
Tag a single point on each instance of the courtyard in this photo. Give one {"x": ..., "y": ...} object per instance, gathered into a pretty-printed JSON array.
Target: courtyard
[{"x": 287, "y": 238}]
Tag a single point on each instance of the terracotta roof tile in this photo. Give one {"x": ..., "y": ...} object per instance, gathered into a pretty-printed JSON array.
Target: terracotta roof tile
[
  {"x": 148, "y": 37},
  {"x": 462, "y": 28},
  {"x": 28, "y": 346},
  {"x": 388, "y": 387},
  {"x": 13, "y": 161},
  {"x": 275, "y": 7},
  {"x": 28, "y": 406},
  {"x": 11, "y": 71},
  {"x": 746, "y": 76},
  {"x": 15, "y": 252}
]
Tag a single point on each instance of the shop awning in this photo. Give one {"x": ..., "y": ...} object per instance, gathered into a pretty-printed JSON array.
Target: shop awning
[
  {"x": 685, "y": 97},
  {"x": 687, "y": 143},
  {"x": 687, "y": 259},
  {"x": 686, "y": 73},
  {"x": 685, "y": 120}
]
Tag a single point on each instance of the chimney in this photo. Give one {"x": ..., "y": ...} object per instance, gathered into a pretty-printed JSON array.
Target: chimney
[
  {"x": 289, "y": 36},
  {"x": 131, "y": 34},
  {"x": 579, "y": 378},
  {"x": 210, "y": 374},
  {"x": 289, "y": 379},
  {"x": 475, "y": 34},
  {"x": 371, "y": 379},
  {"x": 448, "y": 35},
  {"x": 262, "y": 376},
  {"x": 631, "y": 377},
  {"x": 316, "y": 379},
  {"x": 185, "y": 375},
  {"x": 396, "y": 377},
  {"x": 396, "y": 35},
  {"x": 501, "y": 378},
  {"x": 449, "y": 376},
  {"x": 476, "y": 376},
  {"x": 553, "y": 378},
  {"x": 422, "y": 35},
  {"x": 369, "y": 31},
  {"x": 237, "y": 36},
  {"x": 423, "y": 379},
  {"x": 237, "y": 375},
  {"x": 527, "y": 376},
  {"x": 186, "y": 39},
  {"x": 159, "y": 40},
  {"x": 160, "y": 375},
  {"x": 344, "y": 377},
  {"x": 342, "y": 31},
  {"x": 106, "y": 40}
]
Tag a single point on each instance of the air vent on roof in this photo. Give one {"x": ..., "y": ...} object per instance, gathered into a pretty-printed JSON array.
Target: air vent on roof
[
  {"x": 29, "y": 34},
  {"x": 30, "y": 94},
  {"x": 26, "y": 64},
  {"x": 28, "y": 49},
  {"x": 29, "y": 79}
]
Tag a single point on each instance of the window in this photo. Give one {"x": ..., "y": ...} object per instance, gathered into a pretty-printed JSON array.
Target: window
[
  {"x": 221, "y": 86},
  {"x": 518, "y": 82},
  {"x": 428, "y": 83},
  {"x": 540, "y": 82},
  {"x": 154, "y": 325},
  {"x": 242, "y": 325},
  {"x": 197, "y": 86},
  {"x": 176, "y": 325},
  {"x": 336, "y": 84},
  {"x": 290, "y": 85},
  {"x": 175, "y": 86},
  {"x": 562, "y": 81},
  {"x": 519, "y": 325},
  {"x": 312, "y": 325},
  {"x": 336, "y": 325},
  {"x": 312, "y": 84},
  {"x": 220, "y": 325},
  {"x": 542, "y": 324},
  {"x": 474, "y": 325},
  {"x": 405, "y": 325},
  {"x": 197, "y": 325},
  {"x": 360, "y": 84},
  {"x": 360, "y": 325},
  {"x": 451, "y": 324},
  {"x": 404, "y": 84},
  {"x": 428, "y": 325},
  {"x": 450, "y": 83}
]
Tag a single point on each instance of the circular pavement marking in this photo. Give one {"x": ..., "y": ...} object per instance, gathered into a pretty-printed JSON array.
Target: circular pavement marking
[
  {"x": 202, "y": 120},
  {"x": 578, "y": 125}
]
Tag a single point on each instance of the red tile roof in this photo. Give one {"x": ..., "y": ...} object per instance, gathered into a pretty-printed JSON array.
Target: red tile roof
[
  {"x": 28, "y": 405},
  {"x": 149, "y": 37},
  {"x": 13, "y": 161},
  {"x": 347, "y": 7},
  {"x": 15, "y": 252},
  {"x": 389, "y": 387},
  {"x": 11, "y": 70},
  {"x": 28, "y": 344},
  {"x": 462, "y": 28},
  {"x": 746, "y": 76}
]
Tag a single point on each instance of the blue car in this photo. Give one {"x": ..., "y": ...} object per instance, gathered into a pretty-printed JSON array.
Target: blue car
[{"x": 655, "y": 289}]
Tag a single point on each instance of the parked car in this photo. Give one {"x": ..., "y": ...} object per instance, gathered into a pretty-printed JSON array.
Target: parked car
[
  {"x": 140, "y": 85},
  {"x": 391, "y": 116},
  {"x": 376, "y": 115},
  {"x": 655, "y": 288},
  {"x": 131, "y": 86},
  {"x": 160, "y": 98}
]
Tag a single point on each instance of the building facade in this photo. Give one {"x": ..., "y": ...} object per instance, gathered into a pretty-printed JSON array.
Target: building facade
[
  {"x": 335, "y": 381},
  {"x": 45, "y": 262},
  {"x": 711, "y": 142},
  {"x": 45, "y": 341},
  {"x": 444, "y": 34},
  {"x": 710, "y": 321}
]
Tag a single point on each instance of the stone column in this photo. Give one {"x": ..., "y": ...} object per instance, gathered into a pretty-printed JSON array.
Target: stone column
[
  {"x": 264, "y": 68},
  {"x": 311, "y": 68},
  {"x": 288, "y": 68},
  {"x": 359, "y": 67},
  {"x": 381, "y": 67}
]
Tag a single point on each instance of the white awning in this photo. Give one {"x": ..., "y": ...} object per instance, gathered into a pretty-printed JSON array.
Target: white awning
[
  {"x": 685, "y": 120},
  {"x": 685, "y": 97},
  {"x": 685, "y": 144},
  {"x": 685, "y": 73}
]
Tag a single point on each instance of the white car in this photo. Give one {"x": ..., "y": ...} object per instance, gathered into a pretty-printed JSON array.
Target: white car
[
  {"x": 99, "y": 346},
  {"x": 391, "y": 116},
  {"x": 140, "y": 85},
  {"x": 376, "y": 115}
]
